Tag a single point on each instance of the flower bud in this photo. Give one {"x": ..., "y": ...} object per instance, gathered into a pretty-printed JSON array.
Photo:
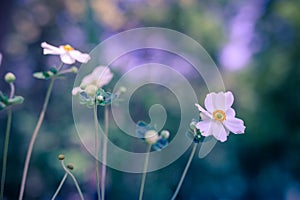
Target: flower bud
[
  {"x": 165, "y": 134},
  {"x": 193, "y": 125},
  {"x": 74, "y": 69},
  {"x": 122, "y": 89},
  {"x": 151, "y": 137},
  {"x": 10, "y": 77},
  {"x": 61, "y": 157},
  {"x": 91, "y": 90},
  {"x": 100, "y": 98},
  {"x": 70, "y": 166}
]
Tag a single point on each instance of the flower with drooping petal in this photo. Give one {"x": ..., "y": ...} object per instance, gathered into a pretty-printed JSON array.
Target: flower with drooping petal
[
  {"x": 98, "y": 78},
  {"x": 67, "y": 53},
  {"x": 219, "y": 118}
]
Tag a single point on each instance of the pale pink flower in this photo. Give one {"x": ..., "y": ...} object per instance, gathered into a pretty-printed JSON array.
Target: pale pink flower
[
  {"x": 99, "y": 77},
  {"x": 219, "y": 118},
  {"x": 67, "y": 53}
]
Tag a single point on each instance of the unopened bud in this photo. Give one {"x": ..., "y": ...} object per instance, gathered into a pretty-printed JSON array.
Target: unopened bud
[
  {"x": 74, "y": 69},
  {"x": 70, "y": 166},
  {"x": 100, "y": 98},
  {"x": 193, "y": 125},
  {"x": 122, "y": 89},
  {"x": 151, "y": 137},
  {"x": 61, "y": 157},
  {"x": 165, "y": 134},
  {"x": 10, "y": 77}
]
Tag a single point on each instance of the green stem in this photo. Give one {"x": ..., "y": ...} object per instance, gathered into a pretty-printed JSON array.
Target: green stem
[
  {"x": 34, "y": 135},
  {"x": 96, "y": 149},
  {"x": 5, "y": 151},
  {"x": 104, "y": 151},
  {"x": 33, "y": 138},
  {"x": 185, "y": 171},
  {"x": 144, "y": 172},
  {"x": 74, "y": 179},
  {"x": 60, "y": 185}
]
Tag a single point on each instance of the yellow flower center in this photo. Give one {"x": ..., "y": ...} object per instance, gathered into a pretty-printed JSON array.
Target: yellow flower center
[
  {"x": 219, "y": 115},
  {"x": 68, "y": 47}
]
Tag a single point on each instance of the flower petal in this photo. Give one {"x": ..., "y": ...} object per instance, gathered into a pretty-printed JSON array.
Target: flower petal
[
  {"x": 218, "y": 131},
  {"x": 204, "y": 117},
  {"x": 219, "y": 101},
  {"x": 228, "y": 100},
  {"x": 209, "y": 102},
  {"x": 204, "y": 127},
  {"x": 80, "y": 57},
  {"x": 76, "y": 90},
  {"x": 103, "y": 75},
  {"x": 67, "y": 59},
  {"x": 230, "y": 113},
  {"x": 87, "y": 80},
  {"x": 203, "y": 110},
  {"x": 50, "y": 49},
  {"x": 234, "y": 125}
]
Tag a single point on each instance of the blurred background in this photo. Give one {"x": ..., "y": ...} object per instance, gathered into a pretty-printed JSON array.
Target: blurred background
[{"x": 256, "y": 46}]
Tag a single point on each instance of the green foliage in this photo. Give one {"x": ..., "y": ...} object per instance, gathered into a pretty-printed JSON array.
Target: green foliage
[
  {"x": 102, "y": 98},
  {"x": 52, "y": 72},
  {"x": 5, "y": 101}
]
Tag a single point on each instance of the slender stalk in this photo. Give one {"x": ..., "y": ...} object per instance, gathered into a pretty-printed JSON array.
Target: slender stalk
[
  {"x": 96, "y": 149},
  {"x": 33, "y": 138},
  {"x": 12, "y": 90},
  {"x": 144, "y": 173},
  {"x": 7, "y": 134},
  {"x": 104, "y": 151},
  {"x": 60, "y": 185},
  {"x": 74, "y": 179},
  {"x": 185, "y": 171},
  {"x": 34, "y": 135}
]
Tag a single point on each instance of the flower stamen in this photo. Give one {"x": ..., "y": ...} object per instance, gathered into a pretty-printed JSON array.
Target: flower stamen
[
  {"x": 68, "y": 47},
  {"x": 219, "y": 115}
]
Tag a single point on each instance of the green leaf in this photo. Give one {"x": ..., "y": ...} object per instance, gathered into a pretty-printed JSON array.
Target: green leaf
[
  {"x": 52, "y": 72},
  {"x": 16, "y": 100},
  {"x": 2, "y": 106},
  {"x": 3, "y": 98},
  {"x": 39, "y": 75}
]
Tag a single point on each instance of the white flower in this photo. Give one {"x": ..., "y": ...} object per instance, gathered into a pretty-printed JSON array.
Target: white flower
[
  {"x": 0, "y": 58},
  {"x": 97, "y": 79},
  {"x": 67, "y": 53},
  {"x": 219, "y": 118}
]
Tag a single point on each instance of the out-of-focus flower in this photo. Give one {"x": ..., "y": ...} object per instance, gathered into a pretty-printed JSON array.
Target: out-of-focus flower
[
  {"x": 90, "y": 90},
  {"x": 219, "y": 118},
  {"x": 148, "y": 133},
  {"x": 67, "y": 53},
  {"x": 97, "y": 79},
  {"x": 0, "y": 59}
]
